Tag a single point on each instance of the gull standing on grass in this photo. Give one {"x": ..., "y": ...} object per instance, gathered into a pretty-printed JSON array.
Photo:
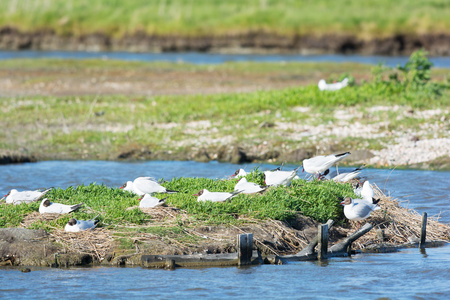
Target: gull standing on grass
[
  {"x": 15, "y": 197},
  {"x": 48, "y": 207},
  {"x": 320, "y": 164},
  {"x": 248, "y": 187},
  {"x": 275, "y": 178},
  {"x": 75, "y": 225},
  {"x": 205, "y": 195},
  {"x": 149, "y": 201},
  {"x": 145, "y": 185}
]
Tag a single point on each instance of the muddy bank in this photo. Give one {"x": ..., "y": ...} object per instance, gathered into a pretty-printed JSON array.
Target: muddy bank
[{"x": 252, "y": 41}]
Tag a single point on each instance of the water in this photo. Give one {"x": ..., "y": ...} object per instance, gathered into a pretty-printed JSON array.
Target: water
[
  {"x": 217, "y": 58},
  {"x": 408, "y": 274}
]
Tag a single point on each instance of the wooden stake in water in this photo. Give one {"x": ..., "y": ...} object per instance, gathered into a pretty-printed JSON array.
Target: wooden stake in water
[
  {"x": 323, "y": 241},
  {"x": 245, "y": 248},
  {"x": 423, "y": 233}
]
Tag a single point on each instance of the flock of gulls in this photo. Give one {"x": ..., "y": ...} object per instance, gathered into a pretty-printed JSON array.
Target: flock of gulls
[{"x": 356, "y": 209}]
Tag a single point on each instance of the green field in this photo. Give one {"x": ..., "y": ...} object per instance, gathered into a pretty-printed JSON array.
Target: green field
[
  {"x": 367, "y": 19},
  {"x": 103, "y": 126}
]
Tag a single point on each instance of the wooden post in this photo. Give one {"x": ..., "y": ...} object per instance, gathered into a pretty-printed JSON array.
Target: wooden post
[
  {"x": 245, "y": 248},
  {"x": 323, "y": 241},
  {"x": 423, "y": 233},
  {"x": 309, "y": 250}
]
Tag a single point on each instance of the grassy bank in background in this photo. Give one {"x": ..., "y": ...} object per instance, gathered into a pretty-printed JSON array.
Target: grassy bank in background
[
  {"x": 104, "y": 127},
  {"x": 204, "y": 17}
]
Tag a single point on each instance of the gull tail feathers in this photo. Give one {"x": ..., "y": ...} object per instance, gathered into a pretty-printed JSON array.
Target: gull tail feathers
[
  {"x": 171, "y": 192},
  {"x": 75, "y": 207}
]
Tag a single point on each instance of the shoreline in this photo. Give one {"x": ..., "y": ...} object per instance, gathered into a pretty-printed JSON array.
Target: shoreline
[{"x": 255, "y": 42}]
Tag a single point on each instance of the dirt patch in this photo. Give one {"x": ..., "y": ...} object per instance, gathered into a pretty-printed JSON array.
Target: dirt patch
[{"x": 254, "y": 41}]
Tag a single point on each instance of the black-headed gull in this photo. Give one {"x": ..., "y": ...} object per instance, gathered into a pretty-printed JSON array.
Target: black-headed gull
[
  {"x": 248, "y": 187},
  {"x": 275, "y": 178},
  {"x": 358, "y": 209},
  {"x": 324, "y": 86},
  {"x": 145, "y": 185},
  {"x": 239, "y": 173},
  {"x": 319, "y": 164},
  {"x": 75, "y": 225},
  {"x": 149, "y": 201},
  {"x": 48, "y": 207},
  {"x": 15, "y": 197},
  {"x": 344, "y": 177},
  {"x": 205, "y": 195},
  {"x": 366, "y": 191}
]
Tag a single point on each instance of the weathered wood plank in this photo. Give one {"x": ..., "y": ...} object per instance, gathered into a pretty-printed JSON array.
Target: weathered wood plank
[
  {"x": 344, "y": 247},
  {"x": 196, "y": 260}
]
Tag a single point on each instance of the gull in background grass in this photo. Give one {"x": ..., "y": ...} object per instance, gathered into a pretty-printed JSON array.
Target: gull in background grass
[
  {"x": 15, "y": 197},
  {"x": 149, "y": 201},
  {"x": 205, "y": 195},
  {"x": 324, "y": 86},
  {"x": 145, "y": 185},
  {"x": 48, "y": 207},
  {"x": 75, "y": 225},
  {"x": 321, "y": 164},
  {"x": 276, "y": 178},
  {"x": 248, "y": 187}
]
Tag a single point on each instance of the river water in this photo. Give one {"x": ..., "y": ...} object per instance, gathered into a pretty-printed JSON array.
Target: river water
[
  {"x": 408, "y": 274},
  {"x": 218, "y": 58}
]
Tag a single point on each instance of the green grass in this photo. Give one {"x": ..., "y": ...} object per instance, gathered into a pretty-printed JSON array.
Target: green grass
[
  {"x": 207, "y": 17},
  {"x": 318, "y": 200},
  {"x": 68, "y": 127}
]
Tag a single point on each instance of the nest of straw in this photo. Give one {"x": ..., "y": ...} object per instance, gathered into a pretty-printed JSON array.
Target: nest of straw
[{"x": 400, "y": 225}]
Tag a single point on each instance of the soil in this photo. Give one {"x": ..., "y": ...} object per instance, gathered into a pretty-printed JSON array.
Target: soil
[{"x": 253, "y": 41}]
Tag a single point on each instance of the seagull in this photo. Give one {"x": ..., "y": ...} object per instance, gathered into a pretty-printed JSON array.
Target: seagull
[
  {"x": 48, "y": 207},
  {"x": 145, "y": 185},
  {"x": 344, "y": 177},
  {"x": 319, "y": 164},
  {"x": 323, "y": 86},
  {"x": 75, "y": 225},
  {"x": 205, "y": 195},
  {"x": 15, "y": 197},
  {"x": 275, "y": 178},
  {"x": 366, "y": 191},
  {"x": 239, "y": 173},
  {"x": 358, "y": 209},
  {"x": 248, "y": 187},
  {"x": 149, "y": 201}
]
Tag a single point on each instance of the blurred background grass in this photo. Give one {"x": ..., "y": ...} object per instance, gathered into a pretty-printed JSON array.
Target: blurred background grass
[{"x": 364, "y": 19}]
